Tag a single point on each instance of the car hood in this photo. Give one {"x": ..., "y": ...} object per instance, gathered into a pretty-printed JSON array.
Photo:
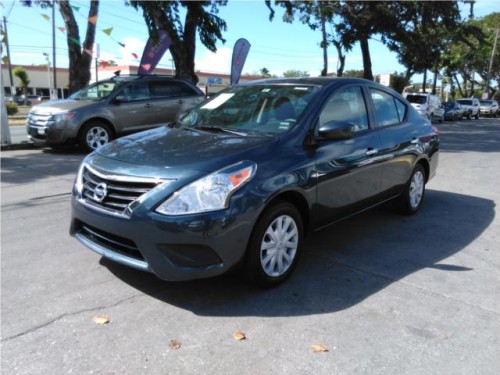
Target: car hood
[
  {"x": 58, "y": 106},
  {"x": 172, "y": 153}
]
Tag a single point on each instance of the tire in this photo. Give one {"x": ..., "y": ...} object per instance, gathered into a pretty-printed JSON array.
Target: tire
[
  {"x": 412, "y": 197},
  {"x": 469, "y": 115},
  {"x": 93, "y": 135},
  {"x": 477, "y": 116},
  {"x": 275, "y": 245}
]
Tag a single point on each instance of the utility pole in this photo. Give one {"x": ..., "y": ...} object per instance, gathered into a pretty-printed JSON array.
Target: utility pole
[
  {"x": 8, "y": 57},
  {"x": 54, "y": 47},
  {"x": 51, "y": 93},
  {"x": 491, "y": 64},
  {"x": 4, "y": 121}
]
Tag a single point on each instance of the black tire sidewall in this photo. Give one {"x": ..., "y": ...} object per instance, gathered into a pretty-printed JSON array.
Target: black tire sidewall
[{"x": 253, "y": 267}]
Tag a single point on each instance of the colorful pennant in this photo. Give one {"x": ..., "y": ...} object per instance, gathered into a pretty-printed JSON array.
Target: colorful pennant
[{"x": 108, "y": 31}]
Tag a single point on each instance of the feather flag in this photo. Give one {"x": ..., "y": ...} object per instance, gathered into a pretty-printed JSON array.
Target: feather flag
[
  {"x": 153, "y": 53},
  {"x": 240, "y": 53}
]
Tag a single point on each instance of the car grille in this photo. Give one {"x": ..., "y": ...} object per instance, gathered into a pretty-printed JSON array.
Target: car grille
[
  {"x": 38, "y": 119},
  {"x": 111, "y": 194},
  {"x": 111, "y": 242}
]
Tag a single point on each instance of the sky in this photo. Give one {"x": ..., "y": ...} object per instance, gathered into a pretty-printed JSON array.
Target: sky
[{"x": 276, "y": 45}]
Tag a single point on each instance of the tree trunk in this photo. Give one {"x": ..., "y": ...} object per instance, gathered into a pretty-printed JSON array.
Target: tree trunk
[
  {"x": 458, "y": 85},
  {"x": 324, "y": 43},
  {"x": 367, "y": 62},
  {"x": 434, "y": 82},
  {"x": 79, "y": 60},
  {"x": 340, "y": 69},
  {"x": 424, "y": 82}
]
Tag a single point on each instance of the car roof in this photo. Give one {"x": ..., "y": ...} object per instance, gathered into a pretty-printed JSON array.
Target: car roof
[{"x": 317, "y": 81}]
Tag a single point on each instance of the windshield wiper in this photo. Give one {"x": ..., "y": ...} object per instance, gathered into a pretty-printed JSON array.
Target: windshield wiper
[{"x": 220, "y": 129}]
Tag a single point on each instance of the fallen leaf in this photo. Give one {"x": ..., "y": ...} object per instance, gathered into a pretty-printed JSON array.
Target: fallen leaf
[
  {"x": 174, "y": 344},
  {"x": 319, "y": 348},
  {"x": 101, "y": 319},
  {"x": 239, "y": 335}
]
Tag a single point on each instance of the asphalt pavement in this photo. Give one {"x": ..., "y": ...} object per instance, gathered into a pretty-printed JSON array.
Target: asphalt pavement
[{"x": 382, "y": 293}]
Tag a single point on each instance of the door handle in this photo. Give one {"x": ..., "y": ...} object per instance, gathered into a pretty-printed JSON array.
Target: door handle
[
  {"x": 371, "y": 151},
  {"x": 148, "y": 105},
  {"x": 180, "y": 101}
]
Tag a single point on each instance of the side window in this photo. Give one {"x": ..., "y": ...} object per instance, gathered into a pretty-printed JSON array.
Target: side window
[
  {"x": 165, "y": 90},
  {"x": 346, "y": 105},
  {"x": 136, "y": 91},
  {"x": 386, "y": 111},
  {"x": 401, "y": 107}
]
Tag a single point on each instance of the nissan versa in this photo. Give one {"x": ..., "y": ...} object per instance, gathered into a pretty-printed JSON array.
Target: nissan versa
[{"x": 241, "y": 178}]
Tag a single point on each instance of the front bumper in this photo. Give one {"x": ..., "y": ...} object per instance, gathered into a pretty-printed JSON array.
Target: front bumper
[{"x": 173, "y": 248}]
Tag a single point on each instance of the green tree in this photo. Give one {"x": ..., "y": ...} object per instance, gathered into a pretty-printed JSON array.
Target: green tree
[
  {"x": 80, "y": 59},
  {"x": 295, "y": 73},
  {"x": 22, "y": 74},
  {"x": 421, "y": 33},
  {"x": 200, "y": 17}
]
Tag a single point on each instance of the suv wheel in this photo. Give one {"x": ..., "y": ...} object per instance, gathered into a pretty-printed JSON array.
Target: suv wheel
[
  {"x": 94, "y": 135},
  {"x": 469, "y": 115},
  {"x": 477, "y": 116}
]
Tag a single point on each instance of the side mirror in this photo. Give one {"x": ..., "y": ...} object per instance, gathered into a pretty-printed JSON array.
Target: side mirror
[
  {"x": 120, "y": 99},
  {"x": 336, "y": 130}
]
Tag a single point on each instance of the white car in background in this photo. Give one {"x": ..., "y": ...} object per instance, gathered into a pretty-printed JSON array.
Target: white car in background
[{"x": 427, "y": 105}]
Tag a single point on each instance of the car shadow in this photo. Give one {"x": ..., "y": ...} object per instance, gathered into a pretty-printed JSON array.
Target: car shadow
[
  {"x": 28, "y": 167},
  {"x": 342, "y": 265}
]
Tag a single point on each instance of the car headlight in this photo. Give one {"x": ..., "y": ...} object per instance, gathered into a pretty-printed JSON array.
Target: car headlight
[
  {"x": 58, "y": 117},
  {"x": 210, "y": 193}
]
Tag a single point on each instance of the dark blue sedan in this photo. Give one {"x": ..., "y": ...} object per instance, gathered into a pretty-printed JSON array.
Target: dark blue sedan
[{"x": 239, "y": 180}]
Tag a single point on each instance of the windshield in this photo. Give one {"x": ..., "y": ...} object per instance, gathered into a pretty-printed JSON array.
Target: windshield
[
  {"x": 271, "y": 108},
  {"x": 449, "y": 105},
  {"x": 487, "y": 103},
  {"x": 416, "y": 99},
  {"x": 97, "y": 91},
  {"x": 465, "y": 102}
]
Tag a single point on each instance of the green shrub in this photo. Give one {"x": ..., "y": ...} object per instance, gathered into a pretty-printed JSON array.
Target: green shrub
[{"x": 12, "y": 109}]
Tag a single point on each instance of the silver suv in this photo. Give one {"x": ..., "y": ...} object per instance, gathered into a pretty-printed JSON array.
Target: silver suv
[
  {"x": 107, "y": 109},
  {"x": 471, "y": 107}
]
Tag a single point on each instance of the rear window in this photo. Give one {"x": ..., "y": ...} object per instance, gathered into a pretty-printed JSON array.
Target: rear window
[{"x": 416, "y": 99}]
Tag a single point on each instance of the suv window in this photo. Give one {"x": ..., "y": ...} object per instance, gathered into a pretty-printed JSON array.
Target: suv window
[
  {"x": 347, "y": 105},
  {"x": 387, "y": 112},
  {"x": 465, "y": 101},
  {"x": 169, "y": 89},
  {"x": 97, "y": 91},
  {"x": 136, "y": 91}
]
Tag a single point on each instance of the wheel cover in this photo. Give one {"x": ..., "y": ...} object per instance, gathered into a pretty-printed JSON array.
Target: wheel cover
[
  {"x": 96, "y": 137},
  {"x": 279, "y": 246},
  {"x": 416, "y": 189}
]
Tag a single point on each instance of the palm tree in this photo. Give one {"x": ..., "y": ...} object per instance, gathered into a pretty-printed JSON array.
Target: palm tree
[{"x": 25, "y": 81}]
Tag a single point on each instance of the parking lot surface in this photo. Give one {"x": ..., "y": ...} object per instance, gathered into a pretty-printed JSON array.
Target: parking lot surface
[{"x": 382, "y": 293}]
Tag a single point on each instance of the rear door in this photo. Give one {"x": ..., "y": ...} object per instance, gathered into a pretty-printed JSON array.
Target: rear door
[
  {"x": 173, "y": 97},
  {"x": 399, "y": 139},
  {"x": 347, "y": 171}
]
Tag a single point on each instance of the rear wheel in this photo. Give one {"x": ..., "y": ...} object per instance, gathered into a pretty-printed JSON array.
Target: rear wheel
[
  {"x": 477, "y": 116},
  {"x": 94, "y": 135},
  {"x": 410, "y": 200},
  {"x": 275, "y": 245}
]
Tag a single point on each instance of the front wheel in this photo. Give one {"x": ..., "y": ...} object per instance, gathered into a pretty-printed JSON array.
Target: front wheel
[
  {"x": 275, "y": 245},
  {"x": 477, "y": 116},
  {"x": 410, "y": 200},
  {"x": 94, "y": 135}
]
